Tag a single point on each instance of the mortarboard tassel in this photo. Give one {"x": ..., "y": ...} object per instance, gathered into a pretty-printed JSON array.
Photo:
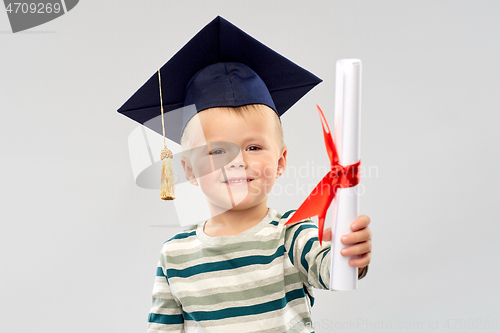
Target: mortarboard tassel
[{"x": 167, "y": 175}]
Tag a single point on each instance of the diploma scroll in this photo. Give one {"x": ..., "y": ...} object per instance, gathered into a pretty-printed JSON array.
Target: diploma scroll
[{"x": 345, "y": 205}]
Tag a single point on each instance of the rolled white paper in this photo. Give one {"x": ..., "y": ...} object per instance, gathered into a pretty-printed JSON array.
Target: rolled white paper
[{"x": 345, "y": 206}]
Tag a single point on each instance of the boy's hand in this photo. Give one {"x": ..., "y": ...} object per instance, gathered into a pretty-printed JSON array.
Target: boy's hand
[{"x": 360, "y": 237}]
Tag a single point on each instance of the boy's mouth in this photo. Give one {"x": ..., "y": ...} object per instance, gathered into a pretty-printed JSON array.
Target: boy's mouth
[{"x": 236, "y": 181}]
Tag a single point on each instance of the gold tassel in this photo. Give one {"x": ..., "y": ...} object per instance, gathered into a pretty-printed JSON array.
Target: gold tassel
[{"x": 167, "y": 175}]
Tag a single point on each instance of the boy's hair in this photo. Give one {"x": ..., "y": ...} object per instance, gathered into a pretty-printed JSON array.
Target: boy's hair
[{"x": 188, "y": 139}]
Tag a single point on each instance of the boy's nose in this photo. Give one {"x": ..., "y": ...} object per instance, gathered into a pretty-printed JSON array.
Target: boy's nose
[{"x": 238, "y": 162}]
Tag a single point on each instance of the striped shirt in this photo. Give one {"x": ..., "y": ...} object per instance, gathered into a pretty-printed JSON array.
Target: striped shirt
[{"x": 257, "y": 281}]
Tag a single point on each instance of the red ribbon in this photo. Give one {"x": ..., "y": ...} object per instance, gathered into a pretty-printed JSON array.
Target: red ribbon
[{"x": 319, "y": 200}]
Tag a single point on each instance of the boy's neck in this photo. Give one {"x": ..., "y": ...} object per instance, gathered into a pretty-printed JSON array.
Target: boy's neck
[{"x": 233, "y": 222}]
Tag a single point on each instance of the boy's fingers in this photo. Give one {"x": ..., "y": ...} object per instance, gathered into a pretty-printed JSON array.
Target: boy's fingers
[
  {"x": 357, "y": 236},
  {"x": 361, "y": 222},
  {"x": 358, "y": 249},
  {"x": 327, "y": 234},
  {"x": 362, "y": 261}
]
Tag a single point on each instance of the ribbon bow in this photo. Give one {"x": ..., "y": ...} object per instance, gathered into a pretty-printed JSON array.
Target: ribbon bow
[{"x": 319, "y": 200}]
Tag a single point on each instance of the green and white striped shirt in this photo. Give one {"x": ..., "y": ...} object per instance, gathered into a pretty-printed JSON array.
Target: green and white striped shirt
[{"x": 257, "y": 281}]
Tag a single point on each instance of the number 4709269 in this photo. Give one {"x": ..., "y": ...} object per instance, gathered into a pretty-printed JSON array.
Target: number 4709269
[{"x": 33, "y": 8}]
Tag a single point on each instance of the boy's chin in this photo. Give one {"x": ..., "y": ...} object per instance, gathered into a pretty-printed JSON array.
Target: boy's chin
[{"x": 244, "y": 204}]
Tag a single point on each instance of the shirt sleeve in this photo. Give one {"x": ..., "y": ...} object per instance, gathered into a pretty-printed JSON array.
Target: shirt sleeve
[
  {"x": 305, "y": 253},
  {"x": 311, "y": 259},
  {"x": 166, "y": 311}
]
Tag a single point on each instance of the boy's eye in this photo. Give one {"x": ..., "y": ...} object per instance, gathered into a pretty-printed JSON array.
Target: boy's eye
[
  {"x": 253, "y": 148},
  {"x": 217, "y": 152}
]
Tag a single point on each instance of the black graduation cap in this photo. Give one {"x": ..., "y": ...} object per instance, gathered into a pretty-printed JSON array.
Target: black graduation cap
[{"x": 220, "y": 66}]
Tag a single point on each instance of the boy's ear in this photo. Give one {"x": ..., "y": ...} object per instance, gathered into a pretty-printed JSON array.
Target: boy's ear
[
  {"x": 282, "y": 161},
  {"x": 188, "y": 170}
]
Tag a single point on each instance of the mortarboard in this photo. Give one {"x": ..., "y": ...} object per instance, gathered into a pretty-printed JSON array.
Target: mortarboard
[{"x": 220, "y": 66}]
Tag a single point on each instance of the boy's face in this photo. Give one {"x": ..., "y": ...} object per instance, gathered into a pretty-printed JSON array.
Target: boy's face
[{"x": 248, "y": 178}]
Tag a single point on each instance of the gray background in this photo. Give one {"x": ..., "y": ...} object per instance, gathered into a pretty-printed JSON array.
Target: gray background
[{"x": 78, "y": 248}]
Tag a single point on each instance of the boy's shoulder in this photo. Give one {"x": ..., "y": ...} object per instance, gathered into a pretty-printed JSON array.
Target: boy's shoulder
[
  {"x": 281, "y": 219},
  {"x": 288, "y": 214},
  {"x": 184, "y": 234},
  {"x": 180, "y": 242}
]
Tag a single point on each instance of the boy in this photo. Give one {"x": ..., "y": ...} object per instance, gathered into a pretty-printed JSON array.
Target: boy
[{"x": 242, "y": 270}]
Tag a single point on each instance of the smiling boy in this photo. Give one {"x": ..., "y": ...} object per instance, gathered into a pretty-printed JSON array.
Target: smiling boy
[{"x": 243, "y": 269}]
